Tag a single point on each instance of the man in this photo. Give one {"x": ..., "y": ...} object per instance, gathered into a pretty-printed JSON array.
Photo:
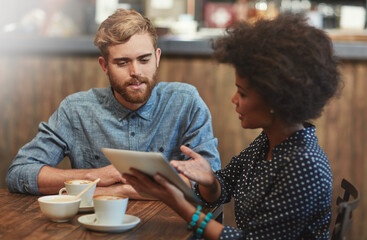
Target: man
[{"x": 135, "y": 113}]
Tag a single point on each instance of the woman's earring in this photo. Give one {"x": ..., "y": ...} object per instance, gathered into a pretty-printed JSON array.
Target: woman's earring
[{"x": 271, "y": 111}]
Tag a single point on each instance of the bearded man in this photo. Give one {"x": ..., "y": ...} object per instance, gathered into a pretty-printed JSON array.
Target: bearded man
[{"x": 135, "y": 113}]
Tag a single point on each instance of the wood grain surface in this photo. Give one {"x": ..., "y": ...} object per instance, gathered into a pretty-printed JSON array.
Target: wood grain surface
[{"x": 21, "y": 218}]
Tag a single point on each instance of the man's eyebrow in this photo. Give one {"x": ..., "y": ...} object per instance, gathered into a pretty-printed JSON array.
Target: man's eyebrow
[
  {"x": 121, "y": 59},
  {"x": 145, "y": 55},
  {"x": 127, "y": 59}
]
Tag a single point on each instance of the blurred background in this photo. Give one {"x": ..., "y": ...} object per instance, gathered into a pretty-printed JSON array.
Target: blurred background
[{"x": 65, "y": 18}]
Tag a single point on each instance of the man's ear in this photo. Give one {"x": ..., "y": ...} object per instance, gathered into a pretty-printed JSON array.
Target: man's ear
[
  {"x": 103, "y": 64},
  {"x": 158, "y": 53}
]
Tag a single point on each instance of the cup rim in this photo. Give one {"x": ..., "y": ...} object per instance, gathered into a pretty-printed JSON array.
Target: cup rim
[
  {"x": 121, "y": 196},
  {"x": 44, "y": 199},
  {"x": 88, "y": 181}
]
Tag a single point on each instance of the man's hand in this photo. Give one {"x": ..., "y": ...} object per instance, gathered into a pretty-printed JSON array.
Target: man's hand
[
  {"x": 51, "y": 179},
  {"x": 109, "y": 175},
  {"x": 121, "y": 189}
]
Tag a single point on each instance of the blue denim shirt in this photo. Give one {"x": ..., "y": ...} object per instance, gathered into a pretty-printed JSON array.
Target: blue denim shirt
[{"x": 85, "y": 122}]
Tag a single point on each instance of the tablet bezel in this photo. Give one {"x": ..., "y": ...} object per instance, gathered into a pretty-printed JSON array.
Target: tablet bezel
[{"x": 149, "y": 163}]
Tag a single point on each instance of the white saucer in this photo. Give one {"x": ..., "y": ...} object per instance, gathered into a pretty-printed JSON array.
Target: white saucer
[
  {"x": 88, "y": 221},
  {"x": 85, "y": 209}
]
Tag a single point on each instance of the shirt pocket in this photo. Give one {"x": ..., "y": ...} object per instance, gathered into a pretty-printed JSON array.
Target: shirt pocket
[
  {"x": 162, "y": 144},
  {"x": 93, "y": 159}
]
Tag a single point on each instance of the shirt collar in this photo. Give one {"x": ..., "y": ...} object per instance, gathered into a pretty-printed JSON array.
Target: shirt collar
[
  {"x": 144, "y": 112},
  {"x": 298, "y": 139}
]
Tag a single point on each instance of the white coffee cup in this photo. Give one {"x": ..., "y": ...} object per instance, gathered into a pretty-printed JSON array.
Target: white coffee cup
[
  {"x": 110, "y": 209},
  {"x": 59, "y": 208},
  {"x": 75, "y": 186}
]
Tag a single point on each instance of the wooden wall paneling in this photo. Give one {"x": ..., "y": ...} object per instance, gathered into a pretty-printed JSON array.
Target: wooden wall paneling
[
  {"x": 172, "y": 69},
  {"x": 225, "y": 124},
  {"x": 337, "y": 144},
  {"x": 336, "y": 130},
  {"x": 343, "y": 134},
  {"x": 200, "y": 73},
  {"x": 359, "y": 146},
  {"x": 5, "y": 111},
  {"x": 93, "y": 74}
]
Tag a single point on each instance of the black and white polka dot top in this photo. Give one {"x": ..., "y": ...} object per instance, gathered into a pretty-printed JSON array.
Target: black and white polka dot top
[{"x": 287, "y": 197}]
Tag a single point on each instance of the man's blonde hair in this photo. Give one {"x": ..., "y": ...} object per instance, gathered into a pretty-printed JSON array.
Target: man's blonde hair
[{"x": 120, "y": 27}]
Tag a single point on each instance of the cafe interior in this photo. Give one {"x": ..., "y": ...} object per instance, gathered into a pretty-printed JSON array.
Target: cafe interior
[{"x": 47, "y": 53}]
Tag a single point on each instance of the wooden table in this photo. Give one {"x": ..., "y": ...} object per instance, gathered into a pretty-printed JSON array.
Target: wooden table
[{"x": 21, "y": 218}]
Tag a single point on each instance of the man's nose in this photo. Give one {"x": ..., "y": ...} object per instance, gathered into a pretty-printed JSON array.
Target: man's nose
[{"x": 134, "y": 69}]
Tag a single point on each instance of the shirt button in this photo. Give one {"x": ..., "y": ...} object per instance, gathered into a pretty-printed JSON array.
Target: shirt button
[
  {"x": 133, "y": 116},
  {"x": 161, "y": 149},
  {"x": 132, "y": 134}
]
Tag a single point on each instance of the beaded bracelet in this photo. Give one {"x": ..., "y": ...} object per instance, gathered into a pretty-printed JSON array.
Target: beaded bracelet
[
  {"x": 195, "y": 218},
  {"x": 200, "y": 230}
]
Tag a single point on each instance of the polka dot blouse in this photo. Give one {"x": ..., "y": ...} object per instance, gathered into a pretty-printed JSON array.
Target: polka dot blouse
[{"x": 287, "y": 197}]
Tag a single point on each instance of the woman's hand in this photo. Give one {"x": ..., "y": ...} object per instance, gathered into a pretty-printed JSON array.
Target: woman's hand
[
  {"x": 196, "y": 169},
  {"x": 158, "y": 187}
]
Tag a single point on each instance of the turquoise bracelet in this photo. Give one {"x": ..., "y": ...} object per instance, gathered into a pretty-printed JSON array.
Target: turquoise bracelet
[
  {"x": 200, "y": 230},
  {"x": 195, "y": 218}
]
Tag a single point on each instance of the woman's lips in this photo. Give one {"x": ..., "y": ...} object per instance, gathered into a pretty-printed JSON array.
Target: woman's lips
[{"x": 240, "y": 116}]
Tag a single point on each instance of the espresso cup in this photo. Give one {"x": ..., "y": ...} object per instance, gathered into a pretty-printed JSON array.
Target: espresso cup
[
  {"x": 75, "y": 186},
  {"x": 110, "y": 209}
]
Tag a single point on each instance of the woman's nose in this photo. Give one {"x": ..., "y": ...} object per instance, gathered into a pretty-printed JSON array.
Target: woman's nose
[{"x": 234, "y": 99}]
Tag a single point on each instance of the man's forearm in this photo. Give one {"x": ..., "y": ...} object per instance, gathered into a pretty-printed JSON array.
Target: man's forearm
[{"x": 50, "y": 180}]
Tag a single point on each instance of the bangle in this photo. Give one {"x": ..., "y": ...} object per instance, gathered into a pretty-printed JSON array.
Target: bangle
[
  {"x": 200, "y": 230},
  {"x": 195, "y": 218}
]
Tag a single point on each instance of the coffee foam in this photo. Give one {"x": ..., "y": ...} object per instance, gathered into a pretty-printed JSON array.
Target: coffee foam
[
  {"x": 61, "y": 199},
  {"x": 78, "y": 182},
  {"x": 109, "y": 197}
]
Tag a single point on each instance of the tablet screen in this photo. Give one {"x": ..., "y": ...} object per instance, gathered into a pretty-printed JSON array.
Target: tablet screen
[{"x": 149, "y": 163}]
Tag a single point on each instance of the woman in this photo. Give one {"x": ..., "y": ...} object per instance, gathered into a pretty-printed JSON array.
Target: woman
[{"x": 281, "y": 183}]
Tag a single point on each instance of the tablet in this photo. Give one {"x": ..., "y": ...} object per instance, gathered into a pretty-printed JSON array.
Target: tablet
[{"x": 149, "y": 163}]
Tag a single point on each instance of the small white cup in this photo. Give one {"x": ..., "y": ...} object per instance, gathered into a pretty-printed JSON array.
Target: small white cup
[
  {"x": 59, "y": 208},
  {"x": 110, "y": 209},
  {"x": 75, "y": 186}
]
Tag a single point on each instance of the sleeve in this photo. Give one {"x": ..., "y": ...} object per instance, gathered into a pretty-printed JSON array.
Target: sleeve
[
  {"x": 49, "y": 147},
  {"x": 199, "y": 133},
  {"x": 231, "y": 233},
  {"x": 296, "y": 202},
  {"x": 227, "y": 178}
]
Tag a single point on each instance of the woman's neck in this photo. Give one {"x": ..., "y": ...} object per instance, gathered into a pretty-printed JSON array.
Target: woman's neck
[{"x": 278, "y": 132}]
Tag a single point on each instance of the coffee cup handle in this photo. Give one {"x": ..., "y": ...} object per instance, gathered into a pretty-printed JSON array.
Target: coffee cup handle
[{"x": 62, "y": 190}]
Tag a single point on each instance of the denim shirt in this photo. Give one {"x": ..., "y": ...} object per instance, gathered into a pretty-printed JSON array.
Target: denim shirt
[{"x": 85, "y": 122}]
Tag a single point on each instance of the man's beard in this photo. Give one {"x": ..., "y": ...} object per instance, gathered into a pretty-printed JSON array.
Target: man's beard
[{"x": 131, "y": 95}]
